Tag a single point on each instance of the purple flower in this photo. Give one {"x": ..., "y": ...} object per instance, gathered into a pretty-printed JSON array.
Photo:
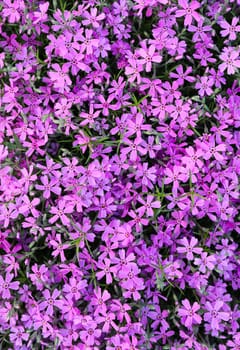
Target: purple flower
[
  {"x": 188, "y": 11},
  {"x": 50, "y": 301},
  {"x": 189, "y": 313},
  {"x": 90, "y": 333},
  {"x": 214, "y": 316},
  {"x": 149, "y": 56},
  {"x": 6, "y": 285},
  {"x": 189, "y": 247}
]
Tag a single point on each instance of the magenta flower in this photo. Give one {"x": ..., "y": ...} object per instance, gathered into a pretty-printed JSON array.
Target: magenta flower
[
  {"x": 137, "y": 219},
  {"x": 49, "y": 186},
  {"x": 88, "y": 43},
  {"x": 29, "y": 206},
  {"x": 214, "y": 316},
  {"x": 62, "y": 209},
  {"x": 230, "y": 30},
  {"x": 90, "y": 333},
  {"x": 148, "y": 205},
  {"x": 204, "y": 86},
  {"x": 7, "y": 285},
  {"x": 107, "y": 320},
  {"x": 175, "y": 175},
  {"x": 181, "y": 75},
  {"x": 39, "y": 276},
  {"x": 58, "y": 247},
  {"x": 134, "y": 71},
  {"x": 41, "y": 16},
  {"x": 74, "y": 288},
  {"x": 18, "y": 335},
  {"x": 189, "y": 313},
  {"x": 188, "y": 11},
  {"x": 172, "y": 270},
  {"x": 106, "y": 105},
  {"x": 12, "y": 10},
  {"x": 231, "y": 61},
  {"x": 199, "y": 30},
  {"x": 212, "y": 150},
  {"x": 189, "y": 247},
  {"x": 133, "y": 148},
  {"x": 121, "y": 310},
  {"x": 34, "y": 146},
  {"x": 149, "y": 56},
  {"x": 205, "y": 262},
  {"x": 88, "y": 118},
  {"x": 50, "y": 301},
  {"x": 99, "y": 300},
  {"x": 106, "y": 270},
  {"x": 92, "y": 18},
  {"x": 60, "y": 77}
]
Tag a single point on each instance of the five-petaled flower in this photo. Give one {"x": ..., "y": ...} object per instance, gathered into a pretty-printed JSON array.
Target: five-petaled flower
[
  {"x": 189, "y": 313},
  {"x": 188, "y": 11},
  {"x": 6, "y": 285},
  {"x": 148, "y": 57}
]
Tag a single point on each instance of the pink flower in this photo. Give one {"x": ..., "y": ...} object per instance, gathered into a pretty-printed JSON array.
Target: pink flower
[
  {"x": 88, "y": 43},
  {"x": 181, "y": 76},
  {"x": 90, "y": 333},
  {"x": 189, "y": 247},
  {"x": 92, "y": 18},
  {"x": 137, "y": 219},
  {"x": 214, "y": 316},
  {"x": 74, "y": 287},
  {"x": 204, "y": 86},
  {"x": 188, "y": 313},
  {"x": 60, "y": 212},
  {"x": 107, "y": 320},
  {"x": 149, "y": 204},
  {"x": 175, "y": 175},
  {"x": 106, "y": 270},
  {"x": 188, "y": 11},
  {"x": 29, "y": 206},
  {"x": 60, "y": 77},
  {"x": 39, "y": 276},
  {"x": 205, "y": 262},
  {"x": 49, "y": 186},
  {"x": 88, "y": 118},
  {"x": 212, "y": 150},
  {"x": 50, "y": 301},
  {"x": 231, "y": 61},
  {"x": 134, "y": 146},
  {"x": 149, "y": 56},
  {"x": 42, "y": 15},
  {"x": 230, "y": 29},
  {"x": 7, "y": 213},
  {"x": 106, "y": 105},
  {"x": 99, "y": 300},
  {"x": 6, "y": 285},
  {"x": 18, "y": 335},
  {"x": 172, "y": 270},
  {"x": 134, "y": 71},
  {"x": 58, "y": 247}
]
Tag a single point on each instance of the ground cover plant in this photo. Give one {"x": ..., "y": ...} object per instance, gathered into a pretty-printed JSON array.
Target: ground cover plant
[{"x": 119, "y": 175}]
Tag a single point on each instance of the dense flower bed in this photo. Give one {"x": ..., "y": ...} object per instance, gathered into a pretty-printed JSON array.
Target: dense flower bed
[{"x": 119, "y": 166}]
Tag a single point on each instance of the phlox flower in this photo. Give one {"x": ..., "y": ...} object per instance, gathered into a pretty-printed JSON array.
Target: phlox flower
[
  {"x": 188, "y": 11},
  {"x": 189, "y": 313}
]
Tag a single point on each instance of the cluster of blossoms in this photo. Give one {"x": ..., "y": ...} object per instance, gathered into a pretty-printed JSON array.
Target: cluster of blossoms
[{"x": 119, "y": 175}]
